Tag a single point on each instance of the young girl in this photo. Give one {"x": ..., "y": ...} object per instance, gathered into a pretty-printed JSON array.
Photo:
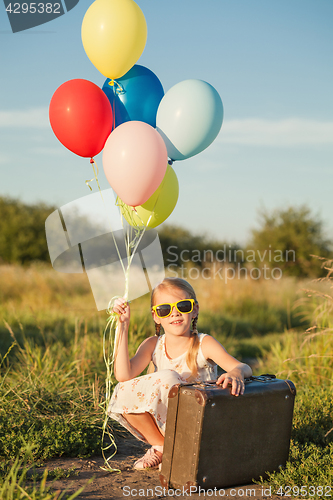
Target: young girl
[{"x": 180, "y": 355}]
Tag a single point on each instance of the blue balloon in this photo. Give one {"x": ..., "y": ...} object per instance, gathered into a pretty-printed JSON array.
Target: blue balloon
[{"x": 135, "y": 96}]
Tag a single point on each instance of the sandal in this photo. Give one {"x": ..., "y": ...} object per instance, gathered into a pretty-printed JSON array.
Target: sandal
[{"x": 151, "y": 460}]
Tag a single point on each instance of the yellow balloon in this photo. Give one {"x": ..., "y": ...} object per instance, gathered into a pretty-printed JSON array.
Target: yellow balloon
[
  {"x": 159, "y": 205},
  {"x": 114, "y": 34}
]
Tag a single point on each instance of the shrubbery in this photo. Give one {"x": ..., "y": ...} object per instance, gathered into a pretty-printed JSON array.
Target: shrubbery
[{"x": 292, "y": 232}]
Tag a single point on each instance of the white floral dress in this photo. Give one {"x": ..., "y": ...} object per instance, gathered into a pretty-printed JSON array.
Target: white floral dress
[{"x": 149, "y": 393}]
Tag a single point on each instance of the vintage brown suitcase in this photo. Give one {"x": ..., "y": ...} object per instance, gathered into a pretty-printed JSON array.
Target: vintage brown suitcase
[{"x": 214, "y": 439}]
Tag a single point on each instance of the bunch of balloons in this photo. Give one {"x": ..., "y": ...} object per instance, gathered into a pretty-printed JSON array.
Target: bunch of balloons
[{"x": 137, "y": 126}]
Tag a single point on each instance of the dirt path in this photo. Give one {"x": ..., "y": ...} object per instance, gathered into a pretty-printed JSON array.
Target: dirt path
[{"x": 133, "y": 484}]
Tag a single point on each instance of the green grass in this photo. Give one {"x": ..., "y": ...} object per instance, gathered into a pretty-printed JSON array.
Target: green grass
[
  {"x": 307, "y": 359},
  {"x": 55, "y": 474},
  {"x": 16, "y": 484},
  {"x": 49, "y": 403},
  {"x": 311, "y": 449}
]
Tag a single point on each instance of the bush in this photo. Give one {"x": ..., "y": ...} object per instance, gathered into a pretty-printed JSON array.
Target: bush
[
  {"x": 22, "y": 231},
  {"x": 289, "y": 237}
]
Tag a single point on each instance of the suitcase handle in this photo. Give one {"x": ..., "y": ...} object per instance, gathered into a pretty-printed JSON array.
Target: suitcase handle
[{"x": 266, "y": 377}]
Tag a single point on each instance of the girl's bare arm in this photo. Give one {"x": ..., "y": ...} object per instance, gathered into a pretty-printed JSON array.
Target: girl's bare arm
[
  {"x": 125, "y": 368},
  {"x": 236, "y": 371}
]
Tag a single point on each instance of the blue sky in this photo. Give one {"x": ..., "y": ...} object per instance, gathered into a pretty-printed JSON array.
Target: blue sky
[{"x": 271, "y": 62}]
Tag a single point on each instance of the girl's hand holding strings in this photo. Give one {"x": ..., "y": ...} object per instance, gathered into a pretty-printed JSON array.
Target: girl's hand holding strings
[
  {"x": 122, "y": 364},
  {"x": 122, "y": 308}
]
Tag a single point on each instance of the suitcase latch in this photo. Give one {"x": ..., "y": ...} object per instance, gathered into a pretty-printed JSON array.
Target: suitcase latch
[{"x": 200, "y": 397}]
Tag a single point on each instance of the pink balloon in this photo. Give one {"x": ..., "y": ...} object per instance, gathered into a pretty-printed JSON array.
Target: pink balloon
[{"x": 135, "y": 159}]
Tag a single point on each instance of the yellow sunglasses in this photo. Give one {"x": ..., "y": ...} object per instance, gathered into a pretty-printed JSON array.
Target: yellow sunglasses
[{"x": 184, "y": 306}]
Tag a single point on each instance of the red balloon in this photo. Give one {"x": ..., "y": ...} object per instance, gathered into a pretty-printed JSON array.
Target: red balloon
[{"x": 81, "y": 117}]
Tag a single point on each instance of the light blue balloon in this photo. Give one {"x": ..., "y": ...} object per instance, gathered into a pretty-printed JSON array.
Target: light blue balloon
[{"x": 189, "y": 118}]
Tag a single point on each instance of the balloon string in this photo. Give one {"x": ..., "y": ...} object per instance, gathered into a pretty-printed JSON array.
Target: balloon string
[
  {"x": 109, "y": 359},
  {"x": 117, "y": 87},
  {"x": 110, "y": 346},
  {"x": 114, "y": 108},
  {"x": 109, "y": 352},
  {"x": 95, "y": 178},
  {"x": 108, "y": 362},
  {"x": 113, "y": 127},
  {"x": 117, "y": 90},
  {"x": 90, "y": 180},
  {"x": 93, "y": 163}
]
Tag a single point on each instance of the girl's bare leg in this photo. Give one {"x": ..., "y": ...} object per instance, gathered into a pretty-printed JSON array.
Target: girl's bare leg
[{"x": 146, "y": 425}]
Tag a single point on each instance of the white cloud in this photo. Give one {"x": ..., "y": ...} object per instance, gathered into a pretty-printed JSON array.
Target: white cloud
[
  {"x": 278, "y": 133},
  {"x": 252, "y": 132},
  {"x": 28, "y": 118}
]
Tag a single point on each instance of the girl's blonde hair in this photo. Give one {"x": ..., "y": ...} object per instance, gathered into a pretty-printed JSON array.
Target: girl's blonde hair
[{"x": 191, "y": 358}]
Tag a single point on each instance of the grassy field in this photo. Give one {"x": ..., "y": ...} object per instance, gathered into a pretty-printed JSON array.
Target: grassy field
[{"x": 52, "y": 369}]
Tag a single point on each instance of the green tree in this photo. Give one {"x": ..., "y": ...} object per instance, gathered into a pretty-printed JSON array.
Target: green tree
[
  {"x": 288, "y": 238},
  {"x": 179, "y": 244},
  {"x": 22, "y": 231}
]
